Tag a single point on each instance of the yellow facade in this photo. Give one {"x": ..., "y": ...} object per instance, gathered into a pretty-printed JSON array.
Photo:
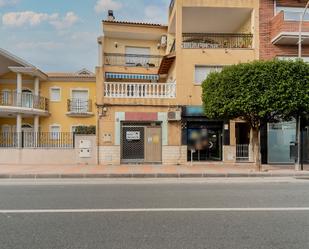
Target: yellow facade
[{"x": 57, "y": 112}]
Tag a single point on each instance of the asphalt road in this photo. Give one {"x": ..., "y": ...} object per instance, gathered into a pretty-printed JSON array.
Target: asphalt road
[{"x": 162, "y": 214}]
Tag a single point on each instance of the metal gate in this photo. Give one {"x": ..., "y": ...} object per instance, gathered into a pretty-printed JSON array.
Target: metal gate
[{"x": 141, "y": 143}]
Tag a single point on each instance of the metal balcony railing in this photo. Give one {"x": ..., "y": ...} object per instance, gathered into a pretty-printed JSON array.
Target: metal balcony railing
[
  {"x": 139, "y": 90},
  {"x": 24, "y": 100},
  {"x": 211, "y": 40},
  {"x": 79, "y": 106},
  {"x": 132, "y": 60}
]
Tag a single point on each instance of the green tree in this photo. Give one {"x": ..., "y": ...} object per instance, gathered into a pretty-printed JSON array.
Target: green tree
[{"x": 258, "y": 92}]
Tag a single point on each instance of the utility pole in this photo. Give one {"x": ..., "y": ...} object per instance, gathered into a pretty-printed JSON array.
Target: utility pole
[{"x": 298, "y": 164}]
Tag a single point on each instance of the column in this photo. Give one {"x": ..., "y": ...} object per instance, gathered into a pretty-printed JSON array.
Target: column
[
  {"x": 19, "y": 87},
  {"x": 36, "y": 97},
  {"x": 36, "y": 130},
  {"x": 19, "y": 130}
]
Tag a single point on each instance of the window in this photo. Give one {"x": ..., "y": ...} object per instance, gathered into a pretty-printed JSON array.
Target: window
[
  {"x": 79, "y": 101},
  {"x": 201, "y": 72},
  {"x": 54, "y": 132},
  {"x": 137, "y": 56},
  {"x": 5, "y": 100},
  {"x": 293, "y": 14},
  {"x": 55, "y": 94}
]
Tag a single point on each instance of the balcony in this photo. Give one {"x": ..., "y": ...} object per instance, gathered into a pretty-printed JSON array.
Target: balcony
[
  {"x": 140, "y": 90},
  {"x": 214, "y": 41},
  {"x": 285, "y": 31},
  {"x": 23, "y": 102},
  {"x": 79, "y": 108},
  {"x": 132, "y": 60}
]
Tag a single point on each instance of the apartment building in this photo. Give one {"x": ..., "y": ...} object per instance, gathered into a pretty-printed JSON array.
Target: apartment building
[
  {"x": 149, "y": 83},
  {"x": 39, "y": 109},
  {"x": 279, "y": 35}
]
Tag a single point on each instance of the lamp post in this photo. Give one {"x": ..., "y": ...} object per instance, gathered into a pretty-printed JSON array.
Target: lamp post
[{"x": 298, "y": 165}]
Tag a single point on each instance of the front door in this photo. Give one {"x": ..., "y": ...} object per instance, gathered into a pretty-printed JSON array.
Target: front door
[
  {"x": 153, "y": 148},
  {"x": 141, "y": 143}
]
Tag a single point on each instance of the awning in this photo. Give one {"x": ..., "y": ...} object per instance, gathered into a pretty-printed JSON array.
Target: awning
[{"x": 132, "y": 76}]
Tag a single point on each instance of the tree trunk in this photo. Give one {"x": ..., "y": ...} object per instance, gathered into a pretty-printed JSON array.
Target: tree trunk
[{"x": 255, "y": 141}]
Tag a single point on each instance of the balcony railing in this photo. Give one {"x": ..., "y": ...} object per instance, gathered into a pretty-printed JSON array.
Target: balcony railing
[
  {"x": 23, "y": 100},
  {"x": 210, "y": 40},
  {"x": 79, "y": 106},
  {"x": 132, "y": 60},
  {"x": 139, "y": 90}
]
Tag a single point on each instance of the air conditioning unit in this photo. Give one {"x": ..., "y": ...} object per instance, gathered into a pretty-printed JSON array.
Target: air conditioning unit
[
  {"x": 163, "y": 42},
  {"x": 174, "y": 116}
]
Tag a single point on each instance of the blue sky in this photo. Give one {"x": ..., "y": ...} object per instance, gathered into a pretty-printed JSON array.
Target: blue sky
[{"x": 60, "y": 35}]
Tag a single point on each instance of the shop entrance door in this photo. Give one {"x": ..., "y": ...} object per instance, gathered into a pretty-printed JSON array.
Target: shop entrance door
[
  {"x": 204, "y": 142},
  {"x": 141, "y": 143}
]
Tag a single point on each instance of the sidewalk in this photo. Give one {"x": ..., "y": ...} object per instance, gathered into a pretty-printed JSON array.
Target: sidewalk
[{"x": 148, "y": 171}]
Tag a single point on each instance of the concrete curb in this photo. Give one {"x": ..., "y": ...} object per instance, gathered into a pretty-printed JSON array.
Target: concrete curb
[{"x": 154, "y": 175}]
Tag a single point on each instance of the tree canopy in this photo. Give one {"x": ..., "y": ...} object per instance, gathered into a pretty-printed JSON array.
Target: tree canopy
[{"x": 259, "y": 91}]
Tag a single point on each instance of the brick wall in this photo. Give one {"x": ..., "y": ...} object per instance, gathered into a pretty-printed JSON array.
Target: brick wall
[{"x": 269, "y": 26}]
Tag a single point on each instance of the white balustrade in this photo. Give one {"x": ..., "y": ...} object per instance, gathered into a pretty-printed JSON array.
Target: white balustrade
[{"x": 139, "y": 90}]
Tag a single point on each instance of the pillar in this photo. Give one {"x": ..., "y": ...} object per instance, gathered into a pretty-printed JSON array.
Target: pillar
[
  {"x": 19, "y": 130},
  {"x": 36, "y": 123},
  {"x": 36, "y": 130},
  {"x": 19, "y": 87}
]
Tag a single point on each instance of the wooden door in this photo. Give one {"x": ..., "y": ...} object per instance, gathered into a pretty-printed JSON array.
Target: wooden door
[{"x": 153, "y": 145}]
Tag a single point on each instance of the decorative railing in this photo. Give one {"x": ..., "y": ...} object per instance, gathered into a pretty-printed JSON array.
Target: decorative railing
[
  {"x": 132, "y": 60},
  {"x": 139, "y": 90},
  {"x": 79, "y": 106},
  {"x": 242, "y": 152},
  {"x": 210, "y": 40},
  {"x": 37, "y": 139},
  {"x": 24, "y": 100}
]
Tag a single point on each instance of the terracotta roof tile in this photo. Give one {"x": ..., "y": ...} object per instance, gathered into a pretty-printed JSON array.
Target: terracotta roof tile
[{"x": 136, "y": 23}]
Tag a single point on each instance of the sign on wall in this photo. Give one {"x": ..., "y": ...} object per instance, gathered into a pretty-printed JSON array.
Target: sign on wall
[{"x": 133, "y": 135}]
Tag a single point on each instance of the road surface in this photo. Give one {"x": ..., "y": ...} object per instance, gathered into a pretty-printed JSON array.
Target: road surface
[{"x": 142, "y": 214}]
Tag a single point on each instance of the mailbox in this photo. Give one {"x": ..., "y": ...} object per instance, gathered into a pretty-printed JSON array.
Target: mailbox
[
  {"x": 84, "y": 153},
  {"x": 84, "y": 144},
  {"x": 84, "y": 148}
]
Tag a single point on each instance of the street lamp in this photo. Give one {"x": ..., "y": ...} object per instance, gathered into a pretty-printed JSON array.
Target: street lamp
[{"x": 298, "y": 165}]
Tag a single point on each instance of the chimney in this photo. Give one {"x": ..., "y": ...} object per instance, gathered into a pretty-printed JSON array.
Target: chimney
[{"x": 110, "y": 16}]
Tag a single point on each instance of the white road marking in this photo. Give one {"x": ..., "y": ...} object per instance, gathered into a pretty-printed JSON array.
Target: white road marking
[{"x": 147, "y": 210}]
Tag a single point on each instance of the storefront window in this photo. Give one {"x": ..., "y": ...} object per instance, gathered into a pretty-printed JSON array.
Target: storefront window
[{"x": 280, "y": 137}]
